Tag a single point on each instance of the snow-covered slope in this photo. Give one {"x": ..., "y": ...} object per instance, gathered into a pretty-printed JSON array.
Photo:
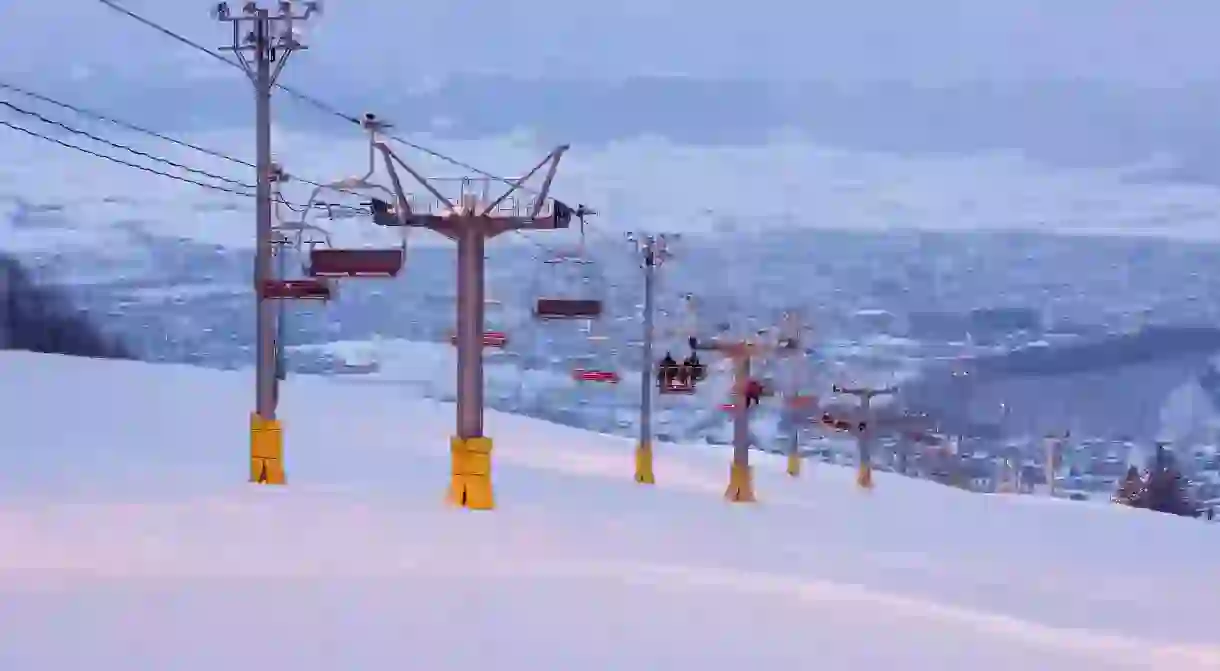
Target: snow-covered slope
[{"x": 129, "y": 540}]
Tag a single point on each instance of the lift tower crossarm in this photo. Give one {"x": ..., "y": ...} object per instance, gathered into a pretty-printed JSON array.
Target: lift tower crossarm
[
  {"x": 551, "y": 158},
  {"x": 456, "y": 215}
]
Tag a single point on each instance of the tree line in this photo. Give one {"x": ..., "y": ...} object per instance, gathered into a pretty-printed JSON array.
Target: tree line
[{"x": 35, "y": 318}]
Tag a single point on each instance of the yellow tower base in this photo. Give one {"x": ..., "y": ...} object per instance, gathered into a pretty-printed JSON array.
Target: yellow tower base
[
  {"x": 643, "y": 464},
  {"x": 864, "y": 476},
  {"x": 470, "y": 483},
  {"x": 794, "y": 465},
  {"x": 741, "y": 484},
  {"x": 266, "y": 451}
]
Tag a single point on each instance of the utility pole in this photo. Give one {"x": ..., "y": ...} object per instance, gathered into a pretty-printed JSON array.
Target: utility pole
[
  {"x": 864, "y": 473},
  {"x": 470, "y": 221},
  {"x": 263, "y": 42},
  {"x": 654, "y": 252}
]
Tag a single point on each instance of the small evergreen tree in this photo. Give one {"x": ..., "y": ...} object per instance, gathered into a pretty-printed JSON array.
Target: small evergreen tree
[
  {"x": 41, "y": 319},
  {"x": 1131, "y": 490}
]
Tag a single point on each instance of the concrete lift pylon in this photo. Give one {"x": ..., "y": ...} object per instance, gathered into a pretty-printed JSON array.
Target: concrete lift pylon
[{"x": 470, "y": 222}]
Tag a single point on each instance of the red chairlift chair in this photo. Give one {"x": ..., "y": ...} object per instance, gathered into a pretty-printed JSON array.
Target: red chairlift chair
[
  {"x": 493, "y": 339},
  {"x": 677, "y": 387},
  {"x": 568, "y": 308},
  {"x": 556, "y": 302},
  {"x": 587, "y": 375},
  {"x": 801, "y": 401},
  {"x": 842, "y": 424},
  {"x": 297, "y": 290},
  {"x": 356, "y": 263}
]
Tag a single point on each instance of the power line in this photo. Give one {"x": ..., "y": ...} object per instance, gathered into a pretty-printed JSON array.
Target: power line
[
  {"x": 122, "y": 124},
  {"x": 295, "y": 208},
  {"x": 120, "y": 161},
  {"x": 181, "y": 39},
  {"x": 306, "y": 98},
  {"x": 99, "y": 116},
  {"x": 123, "y": 147},
  {"x": 328, "y": 109},
  {"x": 172, "y": 140}
]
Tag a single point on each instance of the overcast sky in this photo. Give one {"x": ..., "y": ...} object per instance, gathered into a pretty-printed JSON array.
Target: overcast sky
[
  {"x": 403, "y": 43},
  {"x": 924, "y": 155}
]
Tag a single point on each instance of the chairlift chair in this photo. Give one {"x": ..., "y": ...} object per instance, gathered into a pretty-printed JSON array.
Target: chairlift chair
[
  {"x": 561, "y": 302},
  {"x": 801, "y": 401},
  {"x": 587, "y": 375},
  {"x": 356, "y": 263},
  {"x": 492, "y": 339},
  {"x": 557, "y": 302},
  {"x": 331, "y": 261},
  {"x": 604, "y": 375},
  {"x": 675, "y": 387},
  {"x": 296, "y": 290},
  {"x": 674, "y": 384}
]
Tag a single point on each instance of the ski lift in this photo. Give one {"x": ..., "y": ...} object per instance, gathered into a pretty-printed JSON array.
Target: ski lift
[
  {"x": 801, "y": 401},
  {"x": 672, "y": 381},
  {"x": 587, "y": 375},
  {"x": 296, "y": 290},
  {"x": 356, "y": 263},
  {"x": 564, "y": 272},
  {"x": 492, "y": 339},
  {"x": 842, "y": 424},
  {"x": 604, "y": 375},
  {"x": 683, "y": 377},
  {"x": 677, "y": 387},
  {"x": 331, "y": 261}
]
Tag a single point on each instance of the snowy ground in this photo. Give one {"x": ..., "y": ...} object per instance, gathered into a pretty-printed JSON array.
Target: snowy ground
[{"x": 128, "y": 540}]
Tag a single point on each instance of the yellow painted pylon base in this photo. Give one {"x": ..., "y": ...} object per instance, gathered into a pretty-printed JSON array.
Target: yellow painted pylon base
[
  {"x": 266, "y": 451},
  {"x": 794, "y": 465},
  {"x": 470, "y": 482},
  {"x": 741, "y": 484},
  {"x": 864, "y": 476},
  {"x": 643, "y": 465}
]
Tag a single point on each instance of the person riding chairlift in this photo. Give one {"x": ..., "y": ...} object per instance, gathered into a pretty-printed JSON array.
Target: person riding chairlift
[
  {"x": 754, "y": 392},
  {"x": 694, "y": 367},
  {"x": 667, "y": 370}
]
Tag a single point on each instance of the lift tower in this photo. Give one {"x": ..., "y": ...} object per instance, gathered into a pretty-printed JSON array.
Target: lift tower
[
  {"x": 470, "y": 217},
  {"x": 790, "y": 349},
  {"x": 741, "y": 353},
  {"x": 864, "y": 438},
  {"x": 263, "y": 42}
]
